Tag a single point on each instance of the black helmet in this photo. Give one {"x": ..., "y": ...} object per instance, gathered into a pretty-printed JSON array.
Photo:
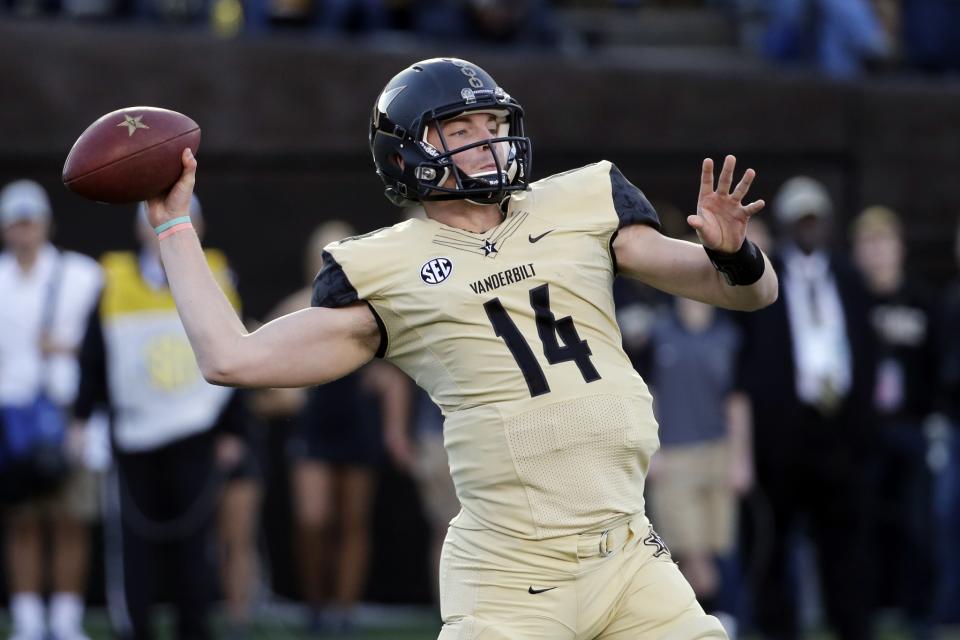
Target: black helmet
[{"x": 434, "y": 90}]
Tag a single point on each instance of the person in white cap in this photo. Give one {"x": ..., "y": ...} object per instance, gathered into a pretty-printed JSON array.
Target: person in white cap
[
  {"x": 47, "y": 297},
  {"x": 808, "y": 367},
  {"x": 164, "y": 487}
]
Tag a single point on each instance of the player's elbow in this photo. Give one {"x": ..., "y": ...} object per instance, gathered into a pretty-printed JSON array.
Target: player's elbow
[
  {"x": 217, "y": 375},
  {"x": 220, "y": 371},
  {"x": 227, "y": 362}
]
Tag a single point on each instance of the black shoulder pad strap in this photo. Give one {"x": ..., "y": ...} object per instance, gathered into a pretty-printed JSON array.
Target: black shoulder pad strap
[
  {"x": 331, "y": 288},
  {"x": 631, "y": 205}
]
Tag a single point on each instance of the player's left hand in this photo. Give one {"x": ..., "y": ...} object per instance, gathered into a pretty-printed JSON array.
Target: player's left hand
[{"x": 721, "y": 219}]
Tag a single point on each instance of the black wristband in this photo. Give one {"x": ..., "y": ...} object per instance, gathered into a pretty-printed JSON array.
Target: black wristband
[{"x": 741, "y": 268}]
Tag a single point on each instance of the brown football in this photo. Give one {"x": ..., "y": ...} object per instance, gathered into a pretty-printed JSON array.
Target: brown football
[{"x": 130, "y": 154}]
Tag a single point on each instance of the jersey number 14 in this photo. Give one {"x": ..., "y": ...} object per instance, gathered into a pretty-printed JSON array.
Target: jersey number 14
[{"x": 549, "y": 329}]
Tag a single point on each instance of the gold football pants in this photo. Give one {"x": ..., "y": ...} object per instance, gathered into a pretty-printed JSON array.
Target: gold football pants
[{"x": 615, "y": 584}]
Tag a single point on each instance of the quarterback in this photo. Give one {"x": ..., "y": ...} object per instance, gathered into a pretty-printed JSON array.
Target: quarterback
[{"x": 499, "y": 305}]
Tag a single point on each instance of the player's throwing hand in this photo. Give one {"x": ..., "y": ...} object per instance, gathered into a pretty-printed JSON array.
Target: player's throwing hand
[
  {"x": 175, "y": 202},
  {"x": 721, "y": 218}
]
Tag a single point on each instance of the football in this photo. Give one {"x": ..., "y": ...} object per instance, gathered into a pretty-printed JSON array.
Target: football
[{"x": 130, "y": 154}]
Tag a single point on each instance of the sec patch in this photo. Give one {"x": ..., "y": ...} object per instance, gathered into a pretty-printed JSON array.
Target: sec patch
[{"x": 436, "y": 270}]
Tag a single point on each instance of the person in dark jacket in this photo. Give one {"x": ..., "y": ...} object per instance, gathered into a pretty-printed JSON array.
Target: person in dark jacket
[
  {"x": 808, "y": 368},
  {"x": 904, "y": 320}
]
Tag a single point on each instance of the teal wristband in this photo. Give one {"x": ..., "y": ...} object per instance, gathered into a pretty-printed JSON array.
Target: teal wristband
[{"x": 169, "y": 223}]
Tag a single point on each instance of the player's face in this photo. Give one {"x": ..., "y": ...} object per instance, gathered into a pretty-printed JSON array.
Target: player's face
[{"x": 468, "y": 129}]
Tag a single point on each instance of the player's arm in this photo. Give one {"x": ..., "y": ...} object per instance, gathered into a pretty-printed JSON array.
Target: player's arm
[
  {"x": 308, "y": 347},
  {"x": 685, "y": 269}
]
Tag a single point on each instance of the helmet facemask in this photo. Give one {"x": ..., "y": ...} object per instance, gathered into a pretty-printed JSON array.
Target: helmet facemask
[
  {"x": 432, "y": 167},
  {"x": 484, "y": 187}
]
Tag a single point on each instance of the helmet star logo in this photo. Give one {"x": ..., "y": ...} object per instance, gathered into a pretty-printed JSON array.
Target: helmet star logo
[{"x": 132, "y": 123}]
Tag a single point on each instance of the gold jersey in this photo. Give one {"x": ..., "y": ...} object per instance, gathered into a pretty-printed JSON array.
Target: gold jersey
[{"x": 512, "y": 332}]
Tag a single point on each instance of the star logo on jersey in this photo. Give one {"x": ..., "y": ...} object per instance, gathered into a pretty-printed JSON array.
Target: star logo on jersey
[
  {"x": 654, "y": 540},
  {"x": 132, "y": 123},
  {"x": 436, "y": 270},
  {"x": 488, "y": 247}
]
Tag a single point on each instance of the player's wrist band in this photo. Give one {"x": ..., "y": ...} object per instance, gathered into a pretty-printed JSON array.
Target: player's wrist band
[
  {"x": 171, "y": 227},
  {"x": 741, "y": 268}
]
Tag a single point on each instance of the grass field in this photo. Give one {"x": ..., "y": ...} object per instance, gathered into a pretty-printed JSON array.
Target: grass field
[
  {"x": 382, "y": 623},
  {"x": 284, "y": 623}
]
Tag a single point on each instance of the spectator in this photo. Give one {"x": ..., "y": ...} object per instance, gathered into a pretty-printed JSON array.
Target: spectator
[
  {"x": 839, "y": 37},
  {"x": 931, "y": 34},
  {"x": 903, "y": 319},
  {"x": 361, "y": 16},
  {"x": 948, "y": 490},
  {"x": 424, "y": 457},
  {"x": 336, "y": 454},
  {"x": 951, "y": 367},
  {"x": 517, "y": 23},
  {"x": 808, "y": 368},
  {"x": 47, "y": 295},
  {"x": 162, "y": 492},
  {"x": 332, "y": 17},
  {"x": 279, "y": 408},
  {"x": 182, "y": 12},
  {"x": 705, "y": 459},
  {"x": 238, "y": 516}
]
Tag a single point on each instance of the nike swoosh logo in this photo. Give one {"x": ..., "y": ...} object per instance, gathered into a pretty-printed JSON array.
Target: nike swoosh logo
[
  {"x": 531, "y": 590},
  {"x": 533, "y": 239}
]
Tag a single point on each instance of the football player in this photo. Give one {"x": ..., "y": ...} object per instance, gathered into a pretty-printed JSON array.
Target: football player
[{"x": 499, "y": 305}]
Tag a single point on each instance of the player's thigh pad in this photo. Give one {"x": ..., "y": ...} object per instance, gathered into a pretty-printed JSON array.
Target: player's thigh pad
[
  {"x": 659, "y": 604},
  {"x": 492, "y": 587}
]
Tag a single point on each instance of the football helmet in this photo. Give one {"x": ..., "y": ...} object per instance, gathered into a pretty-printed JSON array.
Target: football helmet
[{"x": 424, "y": 95}]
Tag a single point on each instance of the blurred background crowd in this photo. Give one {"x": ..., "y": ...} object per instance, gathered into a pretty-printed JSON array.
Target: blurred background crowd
[
  {"x": 809, "y": 477},
  {"x": 841, "y": 38}
]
